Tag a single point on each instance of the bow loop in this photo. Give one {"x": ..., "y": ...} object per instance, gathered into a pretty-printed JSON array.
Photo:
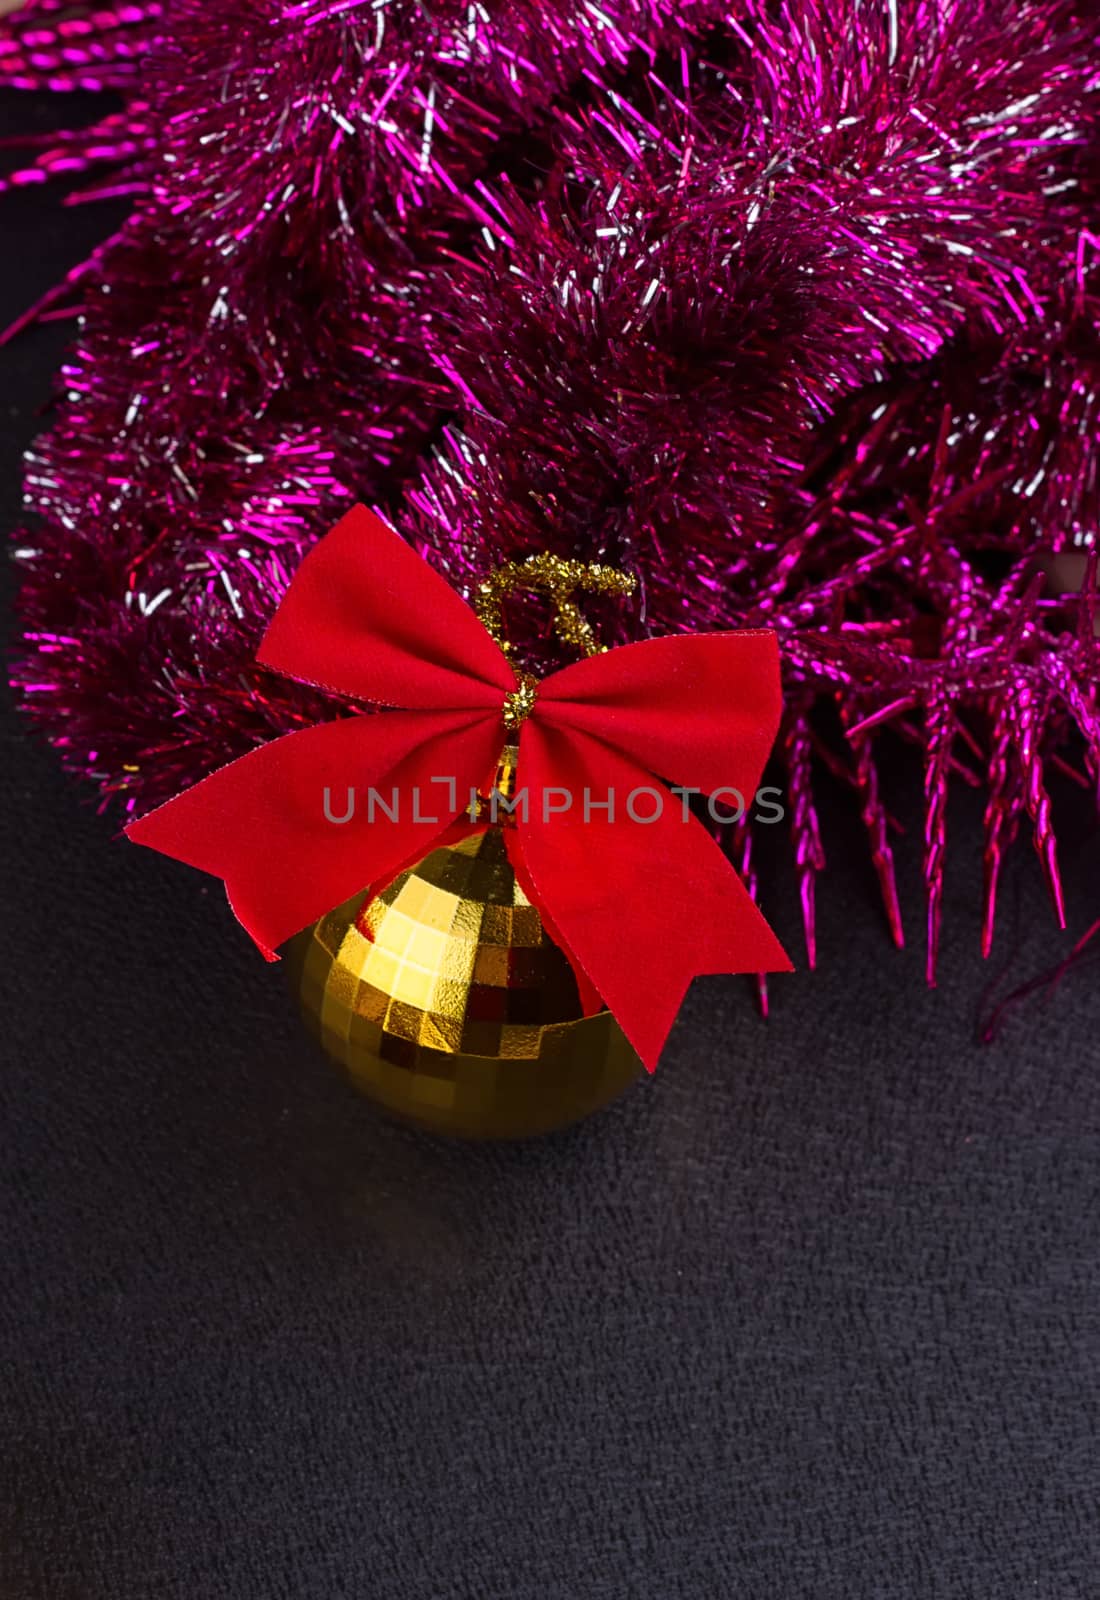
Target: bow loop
[
  {"x": 698, "y": 709},
  {"x": 366, "y": 617},
  {"x": 304, "y": 822}
]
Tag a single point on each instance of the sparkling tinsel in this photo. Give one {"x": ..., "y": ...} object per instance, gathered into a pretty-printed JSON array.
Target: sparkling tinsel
[{"x": 790, "y": 308}]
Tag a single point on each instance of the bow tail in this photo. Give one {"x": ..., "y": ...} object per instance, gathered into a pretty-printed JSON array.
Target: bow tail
[
  {"x": 590, "y": 998},
  {"x": 303, "y": 823},
  {"x": 642, "y": 907}
]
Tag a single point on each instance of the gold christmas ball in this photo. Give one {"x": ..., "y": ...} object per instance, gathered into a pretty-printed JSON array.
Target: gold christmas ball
[{"x": 448, "y": 1003}]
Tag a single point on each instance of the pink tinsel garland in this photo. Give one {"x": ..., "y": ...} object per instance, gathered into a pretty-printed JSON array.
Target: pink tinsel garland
[{"x": 790, "y": 308}]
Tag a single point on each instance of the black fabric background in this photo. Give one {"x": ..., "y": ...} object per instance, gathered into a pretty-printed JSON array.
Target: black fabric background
[{"x": 815, "y": 1313}]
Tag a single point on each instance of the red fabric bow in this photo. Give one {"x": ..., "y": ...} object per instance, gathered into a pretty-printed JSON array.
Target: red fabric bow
[{"x": 640, "y": 907}]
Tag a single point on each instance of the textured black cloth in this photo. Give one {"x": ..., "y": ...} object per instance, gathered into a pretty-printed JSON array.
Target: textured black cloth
[{"x": 814, "y": 1313}]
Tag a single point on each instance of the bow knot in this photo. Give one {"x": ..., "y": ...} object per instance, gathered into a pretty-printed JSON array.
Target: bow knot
[{"x": 520, "y": 701}]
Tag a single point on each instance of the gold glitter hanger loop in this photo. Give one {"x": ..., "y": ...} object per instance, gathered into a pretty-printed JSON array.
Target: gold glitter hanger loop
[{"x": 560, "y": 579}]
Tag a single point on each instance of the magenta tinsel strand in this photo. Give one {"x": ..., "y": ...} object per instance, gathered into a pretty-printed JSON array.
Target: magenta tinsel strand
[
  {"x": 83, "y": 48},
  {"x": 1074, "y": 686},
  {"x": 1085, "y": 950},
  {"x": 751, "y": 300},
  {"x": 877, "y": 824},
  {"x": 1028, "y": 720},
  {"x": 78, "y": 47},
  {"x": 1000, "y": 823},
  {"x": 805, "y": 832},
  {"x": 939, "y": 736},
  {"x": 740, "y": 848}
]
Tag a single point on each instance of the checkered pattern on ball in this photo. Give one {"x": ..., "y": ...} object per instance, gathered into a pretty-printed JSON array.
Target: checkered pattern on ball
[{"x": 446, "y": 1000}]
